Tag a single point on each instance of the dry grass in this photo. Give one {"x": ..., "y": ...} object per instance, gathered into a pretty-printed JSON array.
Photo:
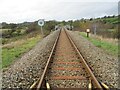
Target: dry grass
[
  {"x": 107, "y": 44},
  {"x": 109, "y": 40},
  {"x": 16, "y": 43},
  {"x": 13, "y": 44},
  {"x": 13, "y": 50}
]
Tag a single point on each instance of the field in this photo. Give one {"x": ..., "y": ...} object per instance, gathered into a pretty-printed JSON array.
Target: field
[
  {"x": 110, "y": 47},
  {"x": 12, "y": 51},
  {"x": 20, "y": 38}
]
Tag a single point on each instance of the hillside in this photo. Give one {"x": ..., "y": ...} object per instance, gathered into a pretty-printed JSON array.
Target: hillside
[
  {"x": 106, "y": 26},
  {"x": 18, "y": 39},
  {"x": 23, "y": 36},
  {"x": 18, "y": 31},
  {"x": 110, "y": 19}
]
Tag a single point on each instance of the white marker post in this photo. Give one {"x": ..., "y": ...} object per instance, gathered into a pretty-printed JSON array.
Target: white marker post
[
  {"x": 41, "y": 23},
  {"x": 88, "y": 31}
]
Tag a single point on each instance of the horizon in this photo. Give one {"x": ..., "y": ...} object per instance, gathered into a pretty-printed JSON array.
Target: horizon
[{"x": 56, "y": 20}]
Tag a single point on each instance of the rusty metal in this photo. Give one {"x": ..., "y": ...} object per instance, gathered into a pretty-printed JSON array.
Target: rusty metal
[
  {"x": 47, "y": 64},
  {"x": 66, "y": 62},
  {"x": 69, "y": 78},
  {"x": 95, "y": 82},
  {"x": 40, "y": 80},
  {"x": 61, "y": 68},
  {"x": 92, "y": 77}
]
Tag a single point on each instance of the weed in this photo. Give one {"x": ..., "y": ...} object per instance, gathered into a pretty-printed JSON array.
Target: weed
[{"x": 109, "y": 47}]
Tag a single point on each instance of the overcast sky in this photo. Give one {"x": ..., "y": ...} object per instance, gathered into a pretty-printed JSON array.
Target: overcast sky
[{"x": 16, "y": 11}]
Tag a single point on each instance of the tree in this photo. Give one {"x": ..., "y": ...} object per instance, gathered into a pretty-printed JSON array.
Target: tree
[{"x": 91, "y": 19}]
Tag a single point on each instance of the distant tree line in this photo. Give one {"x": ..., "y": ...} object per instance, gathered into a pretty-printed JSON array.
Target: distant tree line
[
  {"x": 12, "y": 30},
  {"x": 106, "y": 26}
]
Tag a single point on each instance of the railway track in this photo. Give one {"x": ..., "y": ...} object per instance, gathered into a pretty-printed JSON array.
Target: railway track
[{"x": 66, "y": 67}]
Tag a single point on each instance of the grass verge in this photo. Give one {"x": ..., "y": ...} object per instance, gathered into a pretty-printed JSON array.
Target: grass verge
[
  {"x": 10, "y": 54},
  {"x": 108, "y": 47}
]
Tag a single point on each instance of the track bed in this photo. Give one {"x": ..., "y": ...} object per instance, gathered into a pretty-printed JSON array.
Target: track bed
[{"x": 65, "y": 70}]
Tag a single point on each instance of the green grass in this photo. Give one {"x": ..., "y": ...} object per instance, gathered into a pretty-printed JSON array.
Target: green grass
[
  {"x": 109, "y": 47},
  {"x": 19, "y": 37},
  {"x": 112, "y": 20},
  {"x": 9, "y": 55}
]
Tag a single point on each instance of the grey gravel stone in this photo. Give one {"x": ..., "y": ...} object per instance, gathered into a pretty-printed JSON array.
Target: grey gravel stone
[
  {"x": 104, "y": 66},
  {"x": 26, "y": 70}
]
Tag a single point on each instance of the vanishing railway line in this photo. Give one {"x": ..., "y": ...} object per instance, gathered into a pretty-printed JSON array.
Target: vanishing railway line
[{"x": 66, "y": 67}]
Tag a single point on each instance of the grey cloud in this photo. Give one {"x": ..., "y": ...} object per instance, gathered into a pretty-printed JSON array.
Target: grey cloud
[{"x": 57, "y": 11}]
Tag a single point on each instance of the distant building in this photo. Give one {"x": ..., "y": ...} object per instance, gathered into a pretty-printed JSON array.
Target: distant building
[
  {"x": 57, "y": 27},
  {"x": 69, "y": 27}
]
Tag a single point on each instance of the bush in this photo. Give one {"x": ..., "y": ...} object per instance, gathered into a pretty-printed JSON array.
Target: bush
[{"x": 23, "y": 32}]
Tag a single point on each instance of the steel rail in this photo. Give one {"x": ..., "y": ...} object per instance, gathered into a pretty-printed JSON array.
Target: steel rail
[
  {"x": 93, "y": 78},
  {"x": 40, "y": 80},
  {"x": 47, "y": 64}
]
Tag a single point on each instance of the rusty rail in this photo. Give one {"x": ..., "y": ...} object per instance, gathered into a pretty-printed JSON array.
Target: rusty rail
[
  {"x": 44, "y": 72},
  {"x": 40, "y": 80},
  {"x": 92, "y": 77}
]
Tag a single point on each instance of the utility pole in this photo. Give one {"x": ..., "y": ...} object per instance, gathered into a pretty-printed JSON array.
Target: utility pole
[{"x": 95, "y": 29}]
